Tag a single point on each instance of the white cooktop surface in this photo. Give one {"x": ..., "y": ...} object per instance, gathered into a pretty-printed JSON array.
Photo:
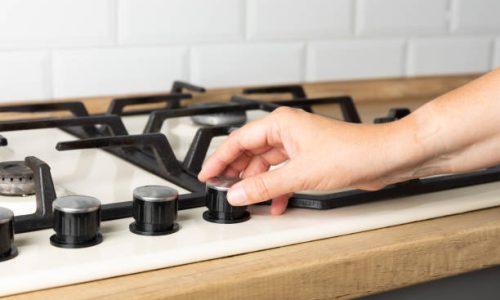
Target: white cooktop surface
[{"x": 96, "y": 173}]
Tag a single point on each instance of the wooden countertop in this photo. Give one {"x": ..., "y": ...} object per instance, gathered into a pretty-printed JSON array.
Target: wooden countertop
[{"x": 341, "y": 267}]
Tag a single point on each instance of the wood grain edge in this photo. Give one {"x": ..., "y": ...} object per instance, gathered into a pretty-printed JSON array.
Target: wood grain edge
[
  {"x": 341, "y": 267},
  {"x": 388, "y": 89}
]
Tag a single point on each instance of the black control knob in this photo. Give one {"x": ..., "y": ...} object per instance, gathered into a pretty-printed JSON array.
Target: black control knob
[
  {"x": 77, "y": 221},
  {"x": 155, "y": 210},
  {"x": 219, "y": 209},
  {"x": 7, "y": 248}
]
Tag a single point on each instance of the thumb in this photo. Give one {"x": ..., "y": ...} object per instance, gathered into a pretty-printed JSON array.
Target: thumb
[{"x": 264, "y": 186}]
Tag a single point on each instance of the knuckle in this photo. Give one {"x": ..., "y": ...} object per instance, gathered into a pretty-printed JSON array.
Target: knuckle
[{"x": 283, "y": 110}]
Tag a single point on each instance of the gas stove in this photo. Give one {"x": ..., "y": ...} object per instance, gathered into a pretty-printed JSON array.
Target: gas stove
[{"x": 91, "y": 196}]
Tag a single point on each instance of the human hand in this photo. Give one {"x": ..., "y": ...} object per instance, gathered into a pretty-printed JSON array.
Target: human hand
[{"x": 318, "y": 154}]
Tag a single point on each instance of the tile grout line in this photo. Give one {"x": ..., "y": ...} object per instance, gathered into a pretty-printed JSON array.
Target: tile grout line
[
  {"x": 496, "y": 57},
  {"x": 493, "y": 49},
  {"x": 115, "y": 22},
  {"x": 304, "y": 61},
  {"x": 244, "y": 21},
  {"x": 355, "y": 18},
  {"x": 451, "y": 18},
  {"x": 406, "y": 57},
  {"x": 50, "y": 80},
  {"x": 189, "y": 64}
]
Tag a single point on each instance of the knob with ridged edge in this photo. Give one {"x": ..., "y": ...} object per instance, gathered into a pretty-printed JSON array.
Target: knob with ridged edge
[
  {"x": 219, "y": 209},
  {"x": 76, "y": 222},
  {"x": 154, "y": 210}
]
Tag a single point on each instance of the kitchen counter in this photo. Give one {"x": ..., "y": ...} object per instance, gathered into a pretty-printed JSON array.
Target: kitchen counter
[{"x": 341, "y": 267}]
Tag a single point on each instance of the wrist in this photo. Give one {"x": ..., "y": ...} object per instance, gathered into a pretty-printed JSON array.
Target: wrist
[{"x": 415, "y": 141}]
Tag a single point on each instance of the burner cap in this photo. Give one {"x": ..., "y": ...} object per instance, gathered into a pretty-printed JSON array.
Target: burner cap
[
  {"x": 218, "y": 119},
  {"x": 16, "y": 179}
]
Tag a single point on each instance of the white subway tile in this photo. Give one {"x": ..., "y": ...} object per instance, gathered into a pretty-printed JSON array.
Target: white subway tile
[
  {"x": 403, "y": 17},
  {"x": 24, "y": 76},
  {"x": 117, "y": 71},
  {"x": 159, "y": 21},
  {"x": 354, "y": 59},
  {"x": 247, "y": 64},
  {"x": 433, "y": 56},
  {"x": 55, "y": 23},
  {"x": 476, "y": 16},
  {"x": 298, "y": 19}
]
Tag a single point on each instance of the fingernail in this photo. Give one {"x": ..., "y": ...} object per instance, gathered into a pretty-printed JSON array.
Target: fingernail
[{"x": 237, "y": 195}]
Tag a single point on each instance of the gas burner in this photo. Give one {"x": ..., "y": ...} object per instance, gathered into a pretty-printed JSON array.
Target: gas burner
[
  {"x": 234, "y": 118},
  {"x": 16, "y": 179}
]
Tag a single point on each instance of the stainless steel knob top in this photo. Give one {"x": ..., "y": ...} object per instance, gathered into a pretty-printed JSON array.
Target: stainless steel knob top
[
  {"x": 6, "y": 215},
  {"x": 222, "y": 183},
  {"x": 155, "y": 193},
  {"x": 76, "y": 204}
]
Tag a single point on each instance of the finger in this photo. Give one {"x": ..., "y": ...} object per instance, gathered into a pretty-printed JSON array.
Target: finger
[
  {"x": 280, "y": 204},
  {"x": 230, "y": 172},
  {"x": 256, "y": 135},
  {"x": 256, "y": 166},
  {"x": 265, "y": 186},
  {"x": 240, "y": 164},
  {"x": 262, "y": 162}
]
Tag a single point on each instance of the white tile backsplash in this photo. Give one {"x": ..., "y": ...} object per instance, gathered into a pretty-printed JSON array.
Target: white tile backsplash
[
  {"x": 24, "y": 75},
  {"x": 355, "y": 59},
  {"x": 160, "y": 21},
  {"x": 114, "y": 71},
  {"x": 433, "y": 56},
  {"x": 475, "y": 16},
  {"x": 404, "y": 17},
  {"x": 77, "y": 48},
  {"x": 243, "y": 64},
  {"x": 304, "y": 19},
  {"x": 55, "y": 23}
]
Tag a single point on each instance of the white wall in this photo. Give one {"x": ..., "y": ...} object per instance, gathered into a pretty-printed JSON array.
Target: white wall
[{"x": 71, "y": 48}]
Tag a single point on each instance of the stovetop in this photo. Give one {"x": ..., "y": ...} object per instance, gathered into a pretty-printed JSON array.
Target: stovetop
[
  {"x": 108, "y": 155},
  {"x": 163, "y": 142}
]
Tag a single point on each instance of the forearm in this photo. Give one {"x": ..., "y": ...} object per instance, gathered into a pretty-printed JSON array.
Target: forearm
[{"x": 459, "y": 131}]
